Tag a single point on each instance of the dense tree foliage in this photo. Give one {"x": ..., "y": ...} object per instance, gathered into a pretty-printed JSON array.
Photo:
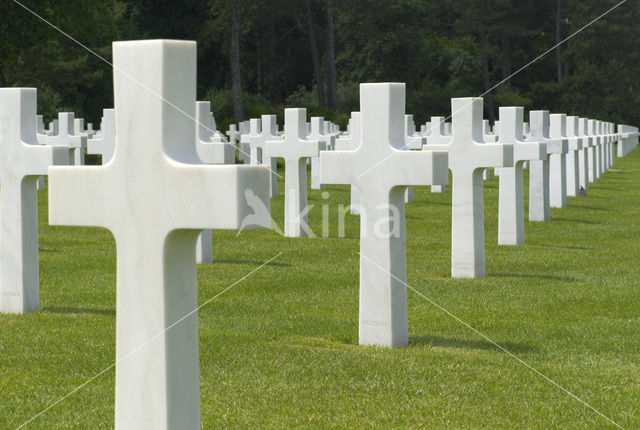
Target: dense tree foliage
[{"x": 264, "y": 55}]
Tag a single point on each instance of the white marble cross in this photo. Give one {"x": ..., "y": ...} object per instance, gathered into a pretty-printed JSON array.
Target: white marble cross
[
  {"x": 319, "y": 133},
  {"x": 105, "y": 144},
  {"x": 155, "y": 196},
  {"x": 596, "y": 159},
  {"x": 437, "y": 135},
  {"x": 539, "y": 200},
  {"x": 295, "y": 149},
  {"x": 469, "y": 155},
  {"x": 351, "y": 142},
  {"x": 261, "y": 130},
  {"x": 586, "y": 154},
  {"x": 381, "y": 172},
  {"x": 211, "y": 149},
  {"x": 411, "y": 139},
  {"x": 234, "y": 137},
  {"x": 66, "y": 137},
  {"x": 558, "y": 162},
  {"x": 22, "y": 160},
  {"x": 511, "y": 190},
  {"x": 573, "y": 157},
  {"x": 628, "y": 139}
]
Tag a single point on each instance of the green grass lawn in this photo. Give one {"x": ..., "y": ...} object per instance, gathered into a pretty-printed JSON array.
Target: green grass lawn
[{"x": 280, "y": 349}]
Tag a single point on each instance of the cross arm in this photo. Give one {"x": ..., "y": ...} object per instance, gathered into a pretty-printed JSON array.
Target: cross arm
[
  {"x": 492, "y": 155},
  {"x": 557, "y": 146},
  {"x": 339, "y": 167},
  {"x": 422, "y": 168},
  {"x": 523, "y": 151}
]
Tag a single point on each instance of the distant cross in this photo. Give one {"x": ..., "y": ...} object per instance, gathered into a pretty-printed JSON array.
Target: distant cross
[
  {"x": 22, "y": 160},
  {"x": 261, "y": 130},
  {"x": 573, "y": 157},
  {"x": 558, "y": 162},
  {"x": 511, "y": 192},
  {"x": 66, "y": 137},
  {"x": 295, "y": 149},
  {"x": 603, "y": 147},
  {"x": 383, "y": 292},
  {"x": 211, "y": 149},
  {"x": 234, "y": 137},
  {"x": 155, "y": 196},
  {"x": 351, "y": 142},
  {"x": 411, "y": 139},
  {"x": 469, "y": 155},
  {"x": 586, "y": 155},
  {"x": 436, "y": 135},
  {"x": 539, "y": 202},
  {"x": 597, "y": 150},
  {"x": 318, "y": 133},
  {"x": 105, "y": 144}
]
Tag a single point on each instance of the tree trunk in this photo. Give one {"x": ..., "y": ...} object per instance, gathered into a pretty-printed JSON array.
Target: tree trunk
[
  {"x": 236, "y": 82},
  {"x": 558, "y": 40},
  {"x": 331, "y": 60},
  {"x": 506, "y": 59},
  {"x": 485, "y": 70},
  {"x": 315, "y": 57}
]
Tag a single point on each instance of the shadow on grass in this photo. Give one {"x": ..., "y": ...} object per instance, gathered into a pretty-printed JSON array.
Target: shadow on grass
[
  {"x": 252, "y": 262},
  {"x": 70, "y": 310},
  {"x": 531, "y": 276},
  {"x": 587, "y": 248},
  {"x": 442, "y": 342},
  {"x": 574, "y": 220}
]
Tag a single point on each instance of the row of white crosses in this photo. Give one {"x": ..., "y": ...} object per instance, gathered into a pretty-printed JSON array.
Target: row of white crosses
[{"x": 158, "y": 146}]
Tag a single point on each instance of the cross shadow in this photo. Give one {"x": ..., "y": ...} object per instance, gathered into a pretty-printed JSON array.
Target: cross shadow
[
  {"x": 241, "y": 261},
  {"x": 70, "y": 310},
  {"x": 573, "y": 220},
  {"x": 442, "y": 342}
]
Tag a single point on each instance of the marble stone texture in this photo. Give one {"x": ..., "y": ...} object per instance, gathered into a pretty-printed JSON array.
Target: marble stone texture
[
  {"x": 511, "y": 189},
  {"x": 539, "y": 192},
  {"x": 155, "y": 196},
  {"x": 295, "y": 149},
  {"x": 351, "y": 142},
  {"x": 469, "y": 155},
  {"x": 381, "y": 173},
  {"x": 105, "y": 143},
  {"x": 22, "y": 160}
]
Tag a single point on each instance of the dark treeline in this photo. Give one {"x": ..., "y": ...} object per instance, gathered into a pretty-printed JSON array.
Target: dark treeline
[{"x": 259, "y": 56}]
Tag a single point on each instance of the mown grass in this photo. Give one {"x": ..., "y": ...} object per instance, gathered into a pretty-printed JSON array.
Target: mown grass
[{"x": 280, "y": 348}]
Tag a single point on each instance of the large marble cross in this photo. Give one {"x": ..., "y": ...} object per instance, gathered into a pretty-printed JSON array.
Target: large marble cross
[
  {"x": 155, "y": 196},
  {"x": 105, "y": 144},
  {"x": 558, "y": 162},
  {"x": 576, "y": 144},
  {"x": 22, "y": 160},
  {"x": 295, "y": 149},
  {"x": 351, "y": 142},
  {"x": 539, "y": 202},
  {"x": 469, "y": 155},
  {"x": 381, "y": 172},
  {"x": 511, "y": 190}
]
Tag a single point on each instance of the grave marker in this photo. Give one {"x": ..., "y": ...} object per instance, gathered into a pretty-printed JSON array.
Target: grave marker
[
  {"x": 105, "y": 144},
  {"x": 511, "y": 189},
  {"x": 295, "y": 149},
  {"x": 383, "y": 293},
  {"x": 155, "y": 197},
  {"x": 469, "y": 156},
  {"x": 22, "y": 160}
]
